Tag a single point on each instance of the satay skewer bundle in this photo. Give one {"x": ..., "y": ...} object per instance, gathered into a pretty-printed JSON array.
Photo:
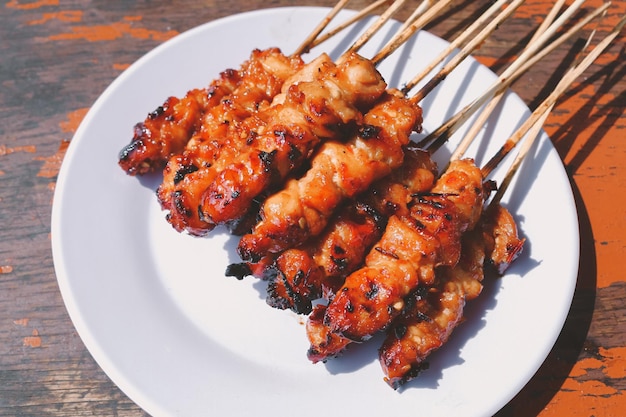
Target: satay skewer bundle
[{"x": 432, "y": 239}]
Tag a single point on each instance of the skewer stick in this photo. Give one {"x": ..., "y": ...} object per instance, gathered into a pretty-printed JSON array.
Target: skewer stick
[
  {"x": 481, "y": 120},
  {"x": 464, "y": 53},
  {"x": 456, "y": 43},
  {"x": 528, "y": 58},
  {"x": 388, "y": 14},
  {"x": 407, "y": 30},
  {"x": 533, "y": 124},
  {"x": 306, "y": 45},
  {"x": 419, "y": 11},
  {"x": 360, "y": 15}
]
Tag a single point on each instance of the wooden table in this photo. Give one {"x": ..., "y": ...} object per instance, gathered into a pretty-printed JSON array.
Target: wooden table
[{"x": 57, "y": 57}]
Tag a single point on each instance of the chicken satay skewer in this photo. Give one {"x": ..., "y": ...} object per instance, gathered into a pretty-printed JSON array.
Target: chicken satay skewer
[
  {"x": 330, "y": 342},
  {"x": 303, "y": 274},
  {"x": 229, "y": 194},
  {"x": 304, "y": 206},
  {"x": 167, "y": 130},
  {"x": 432, "y": 313},
  {"x": 404, "y": 351},
  {"x": 189, "y": 185}
]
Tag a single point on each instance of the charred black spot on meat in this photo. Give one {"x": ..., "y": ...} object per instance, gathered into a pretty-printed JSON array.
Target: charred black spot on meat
[
  {"x": 368, "y": 131},
  {"x": 251, "y": 137},
  {"x": 184, "y": 171},
  {"x": 340, "y": 263},
  {"x": 267, "y": 158},
  {"x": 156, "y": 113},
  {"x": 411, "y": 374},
  {"x": 386, "y": 252},
  {"x": 399, "y": 331},
  {"x": 179, "y": 204},
  {"x": 129, "y": 149},
  {"x": 372, "y": 292},
  {"x": 294, "y": 153},
  {"x": 299, "y": 277},
  {"x": 339, "y": 250},
  {"x": 294, "y": 300}
]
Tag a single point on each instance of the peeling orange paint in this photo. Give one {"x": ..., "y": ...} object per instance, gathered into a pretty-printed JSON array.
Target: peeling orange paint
[
  {"x": 487, "y": 61},
  {"x": 590, "y": 387},
  {"x": 22, "y": 322},
  {"x": 584, "y": 392},
  {"x": 584, "y": 365},
  {"x": 111, "y": 32},
  {"x": 6, "y": 269},
  {"x": 537, "y": 9},
  {"x": 133, "y": 18},
  {"x": 71, "y": 16},
  {"x": 5, "y": 150},
  {"x": 52, "y": 164},
  {"x": 120, "y": 67},
  {"x": 572, "y": 403},
  {"x": 73, "y": 120},
  {"x": 34, "y": 340},
  {"x": 15, "y": 4},
  {"x": 615, "y": 362}
]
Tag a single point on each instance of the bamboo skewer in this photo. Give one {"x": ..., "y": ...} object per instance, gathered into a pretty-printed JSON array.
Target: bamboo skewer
[
  {"x": 531, "y": 55},
  {"x": 384, "y": 18},
  {"x": 481, "y": 120},
  {"x": 416, "y": 22},
  {"x": 464, "y": 53},
  {"x": 481, "y": 22},
  {"x": 419, "y": 11},
  {"x": 533, "y": 124},
  {"x": 360, "y": 15},
  {"x": 306, "y": 45}
]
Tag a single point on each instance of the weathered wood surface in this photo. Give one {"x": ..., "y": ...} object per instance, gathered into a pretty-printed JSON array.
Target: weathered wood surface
[{"x": 57, "y": 57}]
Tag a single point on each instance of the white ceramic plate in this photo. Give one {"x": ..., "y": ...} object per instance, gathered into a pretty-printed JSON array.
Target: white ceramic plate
[{"x": 179, "y": 338}]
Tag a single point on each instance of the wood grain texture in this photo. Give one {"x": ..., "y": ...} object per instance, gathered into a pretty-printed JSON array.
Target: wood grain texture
[{"x": 57, "y": 57}]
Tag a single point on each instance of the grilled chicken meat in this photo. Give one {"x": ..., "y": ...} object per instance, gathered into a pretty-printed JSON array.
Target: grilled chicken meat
[
  {"x": 167, "y": 130},
  {"x": 339, "y": 171},
  {"x": 224, "y": 130},
  {"x": 407, "y": 254},
  {"x": 501, "y": 237},
  {"x": 429, "y": 323},
  {"x": 430, "y": 317},
  {"x": 269, "y": 145},
  {"x": 303, "y": 274}
]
